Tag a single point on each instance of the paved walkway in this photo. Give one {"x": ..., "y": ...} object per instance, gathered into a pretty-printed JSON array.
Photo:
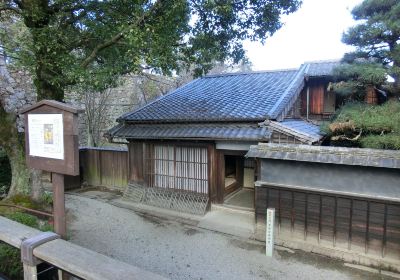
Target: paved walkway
[{"x": 180, "y": 251}]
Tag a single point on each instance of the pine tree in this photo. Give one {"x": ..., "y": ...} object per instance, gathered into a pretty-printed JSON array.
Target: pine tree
[{"x": 377, "y": 55}]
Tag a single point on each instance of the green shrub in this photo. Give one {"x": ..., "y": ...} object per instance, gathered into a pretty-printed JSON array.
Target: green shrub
[
  {"x": 372, "y": 119},
  {"x": 10, "y": 259},
  {"x": 47, "y": 198},
  {"x": 389, "y": 141},
  {"x": 24, "y": 218},
  {"x": 5, "y": 173},
  {"x": 379, "y": 125},
  {"x": 25, "y": 201},
  {"x": 10, "y": 262}
]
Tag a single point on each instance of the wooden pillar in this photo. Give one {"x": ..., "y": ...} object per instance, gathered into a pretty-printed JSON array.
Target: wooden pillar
[
  {"x": 30, "y": 272},
  {"x": 220, "y": 176},
  {"x": 60, "y": 226},
  {"x": 213, "y": 172},
  {"x": 240, "y": 171}
]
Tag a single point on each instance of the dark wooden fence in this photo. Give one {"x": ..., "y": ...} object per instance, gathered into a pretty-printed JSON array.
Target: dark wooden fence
[
  {"x": 371, "y": 226},
  {"x": 104, "y": 167}
]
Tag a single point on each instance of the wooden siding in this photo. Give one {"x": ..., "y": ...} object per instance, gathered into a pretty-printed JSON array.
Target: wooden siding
[
  {"x": 361, "y": 225},
  {"x": 136, "y": 163},
  {"x": 317, "y": 99},
  {"x": 329, "y": 102},
  {"x": 321, "y": 102},
  {"x": 371, "y": 97},
  {"x": 295, "y": 111},
  {"x": 105, "y": 168},
  {"x": 281, "y": 138}
]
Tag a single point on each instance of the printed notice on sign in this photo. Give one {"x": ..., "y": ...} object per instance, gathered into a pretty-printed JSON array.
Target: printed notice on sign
[{"x": 46, "y": 137}]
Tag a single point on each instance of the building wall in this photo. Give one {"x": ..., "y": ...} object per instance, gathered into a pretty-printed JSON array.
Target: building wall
[
  {"x": 336, "y": 210},
  {"x": 321, "y": 102},
  {"x": 281, "y": 138},
  {"x": 334, "y": 177},
  {"x": 142, "y": 157}
]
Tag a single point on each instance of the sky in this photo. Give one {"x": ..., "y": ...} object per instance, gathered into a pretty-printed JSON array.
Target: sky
[{"x": 314, "y": 32}]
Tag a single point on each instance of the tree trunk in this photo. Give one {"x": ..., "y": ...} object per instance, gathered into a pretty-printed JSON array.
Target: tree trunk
[
  {"x": 45, "y": 89},
  {"x": 13, "y": 144}
]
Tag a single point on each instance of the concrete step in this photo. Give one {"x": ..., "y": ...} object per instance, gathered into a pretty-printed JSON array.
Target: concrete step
[
  {"x": 231, "y": 221},
  {"x": 233, "y": 209}
]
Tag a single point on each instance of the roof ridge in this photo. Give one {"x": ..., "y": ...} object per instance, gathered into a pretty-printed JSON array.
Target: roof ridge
[
  {"x": 299, "y": 75},
  {"x": 249, "y": 72},
  {"x": 322, "y": 61}
]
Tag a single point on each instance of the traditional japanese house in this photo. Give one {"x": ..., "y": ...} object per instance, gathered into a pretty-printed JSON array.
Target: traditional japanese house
[{"x": 186, "y": 149}]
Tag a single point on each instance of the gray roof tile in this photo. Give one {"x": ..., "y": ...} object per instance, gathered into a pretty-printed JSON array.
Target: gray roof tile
[
  {"x": 228, "y": 97},
  {"x": 321, "y": 68},
  {"x": 323, "y": 154},
  {"x": 220, "y": 100},
  {"x": 302, "y": 130},
  {"x": 191, "y": 131}
]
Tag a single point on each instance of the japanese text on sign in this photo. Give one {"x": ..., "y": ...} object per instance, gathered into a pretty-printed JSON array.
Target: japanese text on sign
[{"x": 46, "y": 137}]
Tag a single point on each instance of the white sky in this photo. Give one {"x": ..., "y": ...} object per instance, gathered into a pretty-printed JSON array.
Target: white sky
[{"x": 314, "y": 32}]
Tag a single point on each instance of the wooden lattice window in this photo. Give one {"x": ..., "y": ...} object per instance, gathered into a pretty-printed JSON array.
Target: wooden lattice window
[{"x": 178, "y": 167}]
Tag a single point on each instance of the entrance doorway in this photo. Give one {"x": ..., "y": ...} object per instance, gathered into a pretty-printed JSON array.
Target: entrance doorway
[
  {"x": 239, "y": 182},
  {"x": 233, "y": 174}
]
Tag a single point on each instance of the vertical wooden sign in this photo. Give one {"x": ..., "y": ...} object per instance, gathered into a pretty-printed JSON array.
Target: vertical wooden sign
[
  {"x": 51, "y": 141},
  {"x": 269, "y": 233}
]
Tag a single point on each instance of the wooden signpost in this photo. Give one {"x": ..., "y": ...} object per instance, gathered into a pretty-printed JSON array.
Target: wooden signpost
[
  {"x": 269, "y": 233},
  {"x": 51, "y": 140}
]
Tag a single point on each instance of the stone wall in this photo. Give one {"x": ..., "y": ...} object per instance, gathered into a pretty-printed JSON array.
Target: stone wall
[{"x": 16, "y": 90}]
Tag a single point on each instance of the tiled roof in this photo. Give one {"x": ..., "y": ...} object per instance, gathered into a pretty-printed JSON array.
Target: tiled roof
[
  {"x": 221, "y": 131},
  {"x": 303, "y": 130},
  {"x": 250, "y": 96},
  {"x": 213, "y": 103},
  {"x": 323, "y": 154},
  {"x": 320, "y": 68}
]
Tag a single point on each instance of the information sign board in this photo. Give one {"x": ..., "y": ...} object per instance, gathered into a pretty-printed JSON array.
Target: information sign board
[{"x": 46, "y": 135}]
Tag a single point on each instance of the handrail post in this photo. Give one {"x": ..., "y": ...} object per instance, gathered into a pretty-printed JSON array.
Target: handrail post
[
  {"x": 30, "y": 272},
  {"x": 29, "y": 261}
]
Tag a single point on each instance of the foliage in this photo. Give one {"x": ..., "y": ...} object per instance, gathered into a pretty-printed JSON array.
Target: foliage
[
  {"x": 10, "y": 262},
  {"x": 10, "y": 257},
  {"x": 378, "y": 126},
  {"x": 25, "y": 201},
  {"x": 377, "y": 55},
  {"x": 5, "y": 173},
  {"x": 92, "y": 42},
  {"x": 47, "y": 198},
  {"x": 29, "y": 220},
  {"x": 388, "y": 141}
]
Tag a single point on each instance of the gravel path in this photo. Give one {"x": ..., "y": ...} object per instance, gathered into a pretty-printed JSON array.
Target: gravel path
[{"x": 182, "y": 252}]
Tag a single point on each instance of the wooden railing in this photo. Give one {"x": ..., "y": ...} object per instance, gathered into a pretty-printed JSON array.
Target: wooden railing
[{"x": 69, "y": 257}]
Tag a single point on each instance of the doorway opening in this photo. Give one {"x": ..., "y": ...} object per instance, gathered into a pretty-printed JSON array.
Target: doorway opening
[
  {"x": 232, "y": 174},
  {"x": 240, "y": 174}
]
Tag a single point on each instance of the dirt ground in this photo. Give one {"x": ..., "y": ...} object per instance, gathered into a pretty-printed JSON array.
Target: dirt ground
[{"x": 179, "y": 251}]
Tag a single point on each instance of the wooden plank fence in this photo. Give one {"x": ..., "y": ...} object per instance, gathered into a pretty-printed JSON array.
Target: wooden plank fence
[
  {"x": 364, "y": 225},
  {"x": 104, "y": 167}
]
